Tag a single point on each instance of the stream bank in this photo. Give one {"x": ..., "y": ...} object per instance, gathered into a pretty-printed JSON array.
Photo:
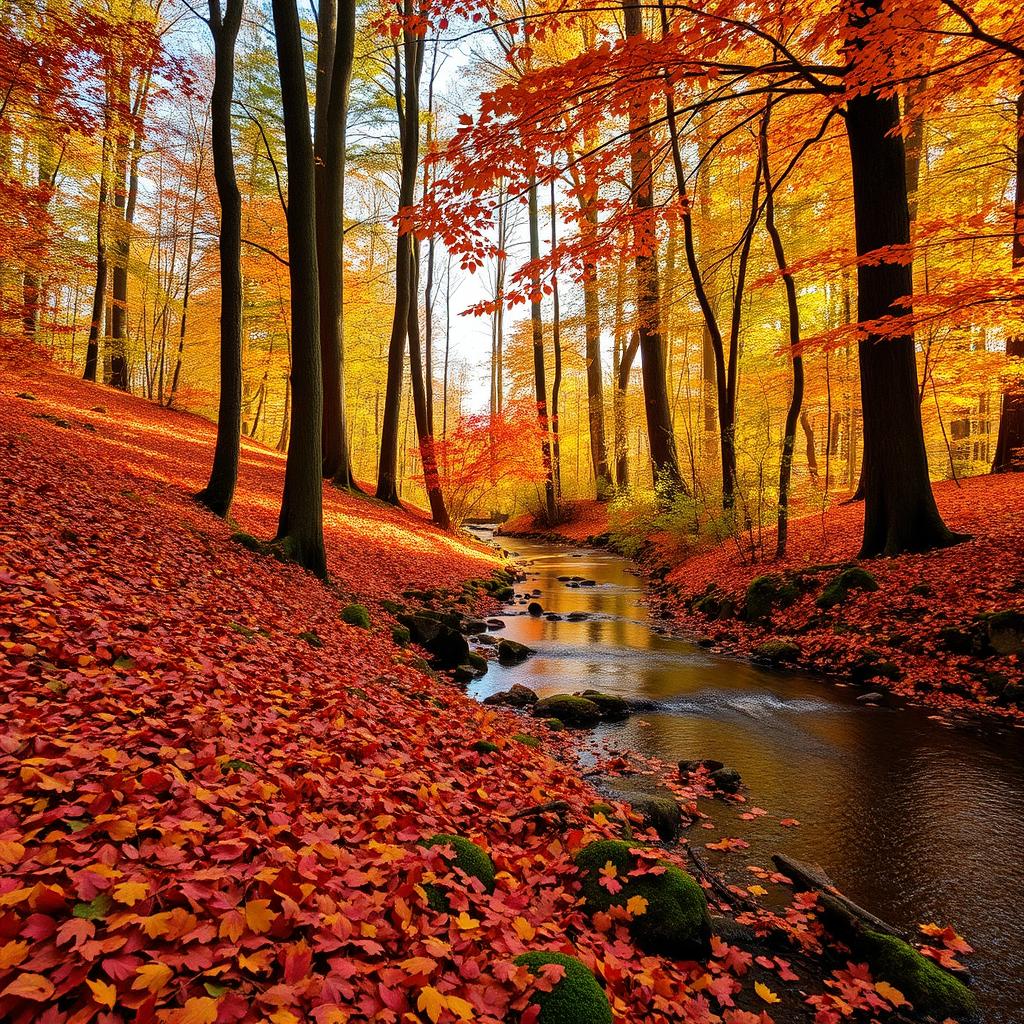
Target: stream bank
[{"x": 920, "y": 823}]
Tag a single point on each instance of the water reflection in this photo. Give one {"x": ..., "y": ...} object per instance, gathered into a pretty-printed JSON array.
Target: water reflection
[{"x": 918, "y": 822}]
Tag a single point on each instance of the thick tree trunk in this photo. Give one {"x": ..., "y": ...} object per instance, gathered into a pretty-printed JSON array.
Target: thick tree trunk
[
  {"x": 661, "y": 437},
  {"x": 900, "y": 512},
  {"x": 407, "y": 102},
  {"x": 622, "y": 363},
  {"x": 595, "y": 373},
  {"x": 300, "y": 526},
  {"x": 424, "y": 428},
  {"x": 539, "y": 377},
  {"x": 220, "y": 488},
  {"x": 335, "y": 55},
  {"x": 1010, "y": 444}
]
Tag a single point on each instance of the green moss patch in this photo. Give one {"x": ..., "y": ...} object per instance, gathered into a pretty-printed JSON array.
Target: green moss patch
[
  {"x": 931, "y": 989},
  {"x": 568, "y": 708},
  {"x": 841, "y": 586},
  {"x": 356, "y": 615},
  {"x": 676, "y": 922},
  {"x": 576, "y": 999},
  {"x": 470, "y": 859}
]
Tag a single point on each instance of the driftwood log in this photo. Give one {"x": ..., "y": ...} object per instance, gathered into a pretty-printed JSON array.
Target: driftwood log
[{"x": 846, "y": 918}]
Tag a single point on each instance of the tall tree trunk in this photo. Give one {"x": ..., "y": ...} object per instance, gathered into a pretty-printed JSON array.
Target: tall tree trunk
[
  {"x": 1010, "y": 444},
  {"x": 660, "y": 435},
  {"x": 793, "y": 312},
  {"x": 45, "y": 173},
  {"x": 407, "y": 103},
  {"x": 556, "y": 342},
  {"x": 539, "y": 377},
  {"x": 92, "y": 352},
  {"x": 424, "y": 428},
  {"x": 622, "y": 363},
  {"x": 300, "y": 534},
  {"x": 900, "y": 512},
  {"x": 220, "y": 488},
  {"x": 335, "y": 54},
  {"x": 595, "y": 374}
]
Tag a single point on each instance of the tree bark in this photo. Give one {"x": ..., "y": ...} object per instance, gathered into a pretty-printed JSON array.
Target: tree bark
[
  {"x": 300, "y": 526},
  {"x": 220, "y": 489},
  {"x": 408, "y": 109},
  {"x": 335, "y": 54},
  {"x": 1009, "y": 453},
  {"x": 556, "y": 344},
  {"x": 539, "y": 378},
  {"x": 92, "y": 351},
  {"x": 660, "y": 435},
  {"x": 899, "y": 512},
  {"x": 424, "y": 428},
  {"x": 793, "y": 314}
]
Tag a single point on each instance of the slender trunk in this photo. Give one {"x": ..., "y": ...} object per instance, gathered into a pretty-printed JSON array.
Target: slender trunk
[
  {"x": 424, "y": 429},
  {"x": 92, "y": 351},
  {"x": 1009, "y": 453},
  {"x": 539, "y": 378},
  {"x": 335, "y": 53},
  {"x": 556, "y": 341},
  {"x": 900, "y": 512},
  {"x": 622, "y": 363},
  {"x": 300, "y": 533},
  {"x": 220, "y": 488},
  {"x": 407, "y": 105},
  {"x": 809, "y": 449},
  {"x": 661, "y": 438},
  {"x": 793, "y": 312},
  {"x": 595, "y": 374}
]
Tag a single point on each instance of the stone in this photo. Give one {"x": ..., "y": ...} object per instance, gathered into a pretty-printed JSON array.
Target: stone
[
  {"x": 661, "y": 813},
  {"x": 842, "y": 585},
  {"x": 535, "y": 608},
  {"x": 726, "y": 780},
  {"x": 568, "y": 708},
  {"x": 777, "y": 651},
  {"x": 708, "y": 764},
  {"x": 447, "y": 646},
  {"x": 511, "y": 652}
]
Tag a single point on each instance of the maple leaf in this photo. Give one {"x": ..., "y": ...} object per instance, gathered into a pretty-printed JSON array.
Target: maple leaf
[
  {"x": 891, "y": 994},
  {"x": 152, "y": 977},
  {"x": 431, "y": 1002},
  {"x": 258, "y": 916},
  {"x": 12, "y": 954},
  {"x": 103, "y": 993},
  {"x": 129, "y": 893},
  {"x": 199, "y": 1010},
  {"x": 765, "y": 993}
]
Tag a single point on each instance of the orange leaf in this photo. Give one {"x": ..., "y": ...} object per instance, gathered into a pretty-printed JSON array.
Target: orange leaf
[{"x": 30, "y": 986}]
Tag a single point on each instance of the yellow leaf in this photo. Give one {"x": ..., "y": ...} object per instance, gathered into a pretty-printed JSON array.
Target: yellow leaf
[
  {"x": 524, "y": 929},
  {"x": 283, "y": 1016},
  {"x": 636, "y": 905},
  {"x": 431, "y": 1002},
  {"x": 12, "y": 954},
  {"x": 121, "y": 829},
  {"x": 11, "y": 851},
  {"x": 129, "y": 893},
  {"x": 757, "y": 890},
  {"x": 891, "y": 994},
  {"x": 200, "y": 1010},
  {"x": 701, "y": 983},
  {"x": 466, "y": 923},
  {"x": 152, "y": 977},
  {"x": 332, "y": 1015},
  {"x": 104, "y": 994},
  {"x": 765, "y": 992},
  {"x": 462, "y": 1009},
  {"x": 258, "y": 916}
]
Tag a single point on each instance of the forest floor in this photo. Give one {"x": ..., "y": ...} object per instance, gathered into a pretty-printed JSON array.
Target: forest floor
[
  {"x": 213, "y": 790},
  {"x": 945, "y": 628}
]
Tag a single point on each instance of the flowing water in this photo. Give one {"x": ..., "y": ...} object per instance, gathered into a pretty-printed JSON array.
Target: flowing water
[{"x": 915, "y": 821}]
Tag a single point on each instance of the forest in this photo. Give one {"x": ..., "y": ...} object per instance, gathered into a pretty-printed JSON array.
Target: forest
[{"x": 455, "y": 452}]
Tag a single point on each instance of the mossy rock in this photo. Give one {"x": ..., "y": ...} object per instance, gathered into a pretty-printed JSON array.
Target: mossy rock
[
  {"x": 400, "y": 635},
  {"x": 661, "y": 813},
  {"x": 356, "y": 615},
  {"x": 312, "y": 637},
  {"x": 931, "y": 989},
  {"x": 601, "y": 808},
  {"x": 777, "y": 651},
  {"x": 766, "y": 593},
  {"x": 577, "y": 998},
  {"x": 610, "y": 705},
  {"x": 555, "y": 724},
  {"x": 392, "y": 607},
  {"x": 842, "y": 585},
  {"x": 568, "y": 708},
  {"x": 477, "y": 661},
  {"x": 676, "y": 923},
  {"x": 485, "y": 747},
  {"x": 471, "y": 859},
  {"x": 526, "y": 739},
  {"x": 713, "y": 603}
]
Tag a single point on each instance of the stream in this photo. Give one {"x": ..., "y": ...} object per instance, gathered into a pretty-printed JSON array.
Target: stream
[{"x": 915, "y": 821}]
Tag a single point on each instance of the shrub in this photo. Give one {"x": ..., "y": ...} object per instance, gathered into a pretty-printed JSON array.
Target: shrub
[{"x": 356, "y": 615}]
